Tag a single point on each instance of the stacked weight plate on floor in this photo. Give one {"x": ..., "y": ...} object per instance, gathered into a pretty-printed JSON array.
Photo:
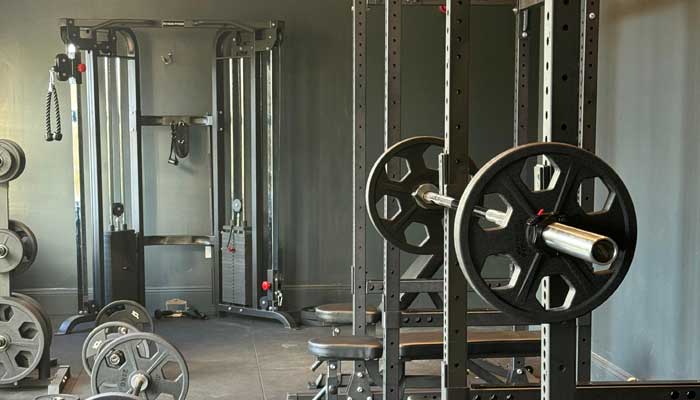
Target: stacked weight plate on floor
[
  {"x": 99, "y": 337},
  {"x": 24, "y": 337},
  {"x": 127, "y": 311},
  {"x": 103, "y": 396},
  {"x": 529, "y": 212},
  {"x": 140, "y": 363},
  {"x": 113, "y": 396}
]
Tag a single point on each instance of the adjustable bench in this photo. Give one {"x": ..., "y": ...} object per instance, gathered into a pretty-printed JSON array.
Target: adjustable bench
[
  {"x": 421, "y": 345},
  {"x": 336, "y": 315}
]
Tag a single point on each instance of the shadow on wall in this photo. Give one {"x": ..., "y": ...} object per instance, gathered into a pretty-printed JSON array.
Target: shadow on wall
[{"x": 648, "y": 102}]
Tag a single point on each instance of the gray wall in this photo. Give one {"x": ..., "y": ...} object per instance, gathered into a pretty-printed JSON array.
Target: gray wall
[
  {"x": 315, "y": 187},
  {"x": 648, "y": 130}
]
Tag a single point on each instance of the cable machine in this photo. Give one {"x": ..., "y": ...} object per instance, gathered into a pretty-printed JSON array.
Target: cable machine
[
  {"x": 102, "y": 68},
  {"x": 247, "y": 100}
]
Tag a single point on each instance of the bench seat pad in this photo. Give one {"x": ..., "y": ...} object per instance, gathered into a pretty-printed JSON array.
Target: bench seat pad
[
  {"x": 346, "y": 347},
  {"x": 427, "y": 345},
  {"x": 341, "y": 314}
]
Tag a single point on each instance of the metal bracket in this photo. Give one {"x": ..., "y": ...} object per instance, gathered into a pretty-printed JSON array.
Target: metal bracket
[
  {"x": 266, "y": 39},
  {"x": 167, "y": 120},
  {"x": 101, "y": 40},
  {"x": 66, "y": 68}
]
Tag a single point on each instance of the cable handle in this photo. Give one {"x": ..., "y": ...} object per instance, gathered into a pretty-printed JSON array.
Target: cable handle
[{"x": 52, "y": 96}]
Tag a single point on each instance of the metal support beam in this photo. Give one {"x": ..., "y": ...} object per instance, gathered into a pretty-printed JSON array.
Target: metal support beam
[
  {"x": 562, "y": 27},
  {"x": 95, "y": 167},
  {"x": 522, "y": 73},
  {"x": 588, "y": 101},
  {"x": 392, "y": 264},
  {"x": 359, "y": 214},
  {"x": 454, "y": 175}
]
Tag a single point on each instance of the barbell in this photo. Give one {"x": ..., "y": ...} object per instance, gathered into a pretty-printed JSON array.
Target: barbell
[{"x": 544, "y": 233}]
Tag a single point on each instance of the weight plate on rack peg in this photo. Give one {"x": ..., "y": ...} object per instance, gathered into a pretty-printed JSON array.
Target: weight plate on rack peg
[
  {"x": 29, "y": 244},
  {"x": 12, "y": 160},
  {"x": 127, "y": 311},
  {"x": 99, "y": 337},
  {"x": 22, "y": 340},
  {"x": 30, "y": 301},
  {"x": 411, "y": 218},
  {"x": 57, "y": 397},
  {"x": 526, "y": 214},
  {"x": 22, "y": 157},
  {"x": 124, "y": 365},
  {"x": 7, "y": 164},
  {"x": 11, "y": 250}
]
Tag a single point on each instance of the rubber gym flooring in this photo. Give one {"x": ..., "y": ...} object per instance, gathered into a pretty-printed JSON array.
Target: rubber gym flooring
[{"x": 228, "y": 358}]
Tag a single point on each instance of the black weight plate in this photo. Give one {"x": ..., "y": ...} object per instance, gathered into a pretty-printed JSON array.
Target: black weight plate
[
  {"x": 29, "y": 242},
  {"x": 127, "y": 311},
  {"x": 22, "y": 157},
  {"x": 588, "y": 288},
  {"x": 379, "y": 185},
  {"x": 12, "y": 156}
]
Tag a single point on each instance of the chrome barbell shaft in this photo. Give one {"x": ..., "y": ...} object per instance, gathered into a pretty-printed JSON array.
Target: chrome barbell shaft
[{"x": 441, "y": 200}]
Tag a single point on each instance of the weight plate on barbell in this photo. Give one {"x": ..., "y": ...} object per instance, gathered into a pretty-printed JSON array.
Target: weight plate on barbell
[
  {"x": 100, "y": 336},
  {"x": 588, "y": 287},
  {"x": 12, "y": 160},
  {"x": 127, "y": 311},
  {"x": 141, "y": 355},
  {"x": 11, "y": 250},
  {"x": 397, "y": 190},
  {"x": 22, "y": 340},
  {"x": 29, "y": 244}
]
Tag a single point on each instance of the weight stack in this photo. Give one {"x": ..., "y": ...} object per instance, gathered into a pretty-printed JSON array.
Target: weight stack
[
  {"x": 121, "y": 266},
  {"x": 236, "y": 268}
]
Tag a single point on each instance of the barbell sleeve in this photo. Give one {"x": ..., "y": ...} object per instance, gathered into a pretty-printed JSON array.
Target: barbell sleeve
[{"x": 587, "y": 246}]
